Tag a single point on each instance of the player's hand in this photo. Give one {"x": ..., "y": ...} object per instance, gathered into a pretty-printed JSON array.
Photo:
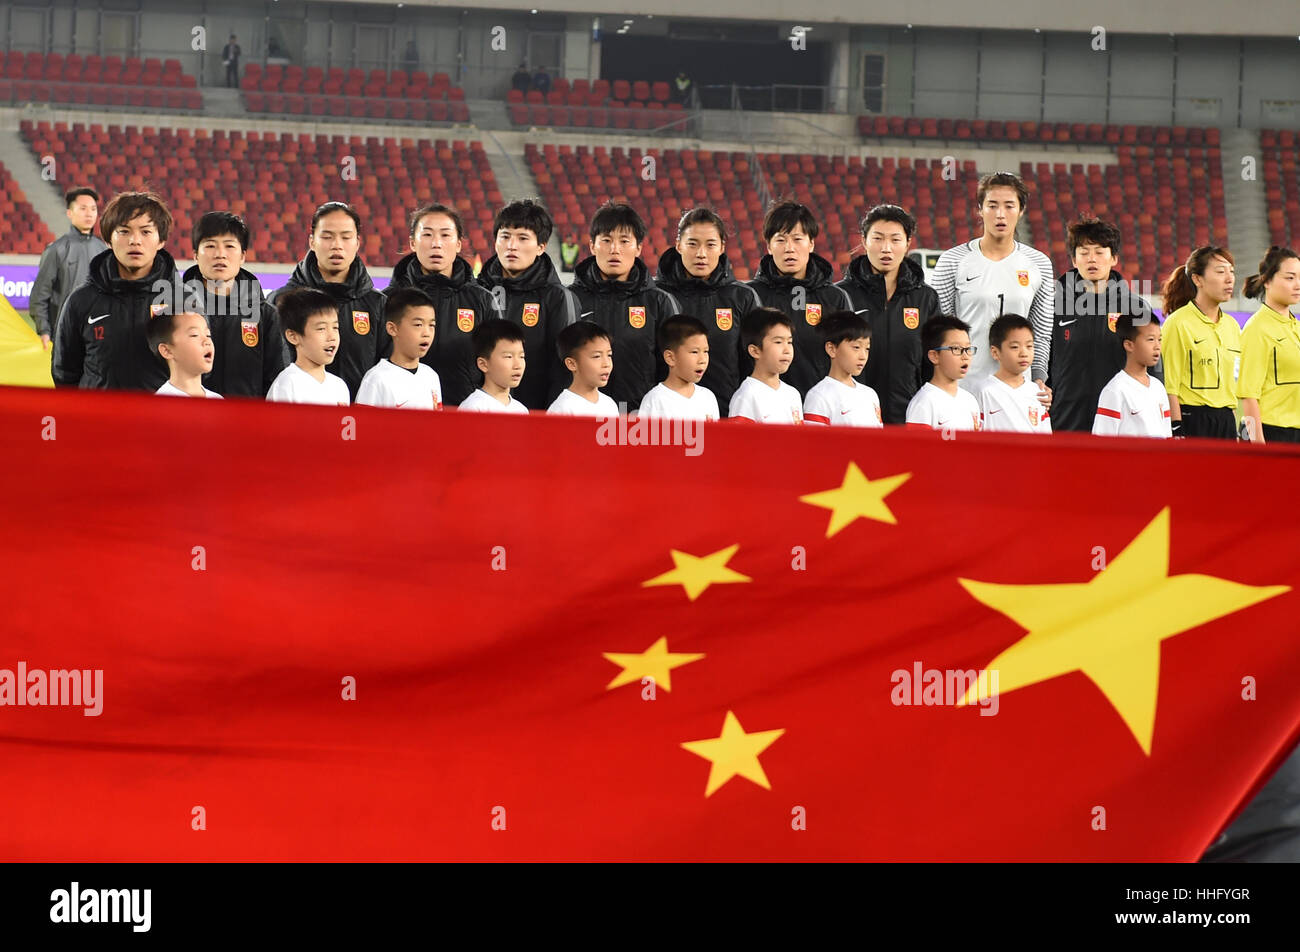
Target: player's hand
[
  {"x": 1045, "y": 395},
  {"x": 45, "y": 341}
]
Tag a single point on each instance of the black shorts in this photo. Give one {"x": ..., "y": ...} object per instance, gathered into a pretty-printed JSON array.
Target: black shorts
[
  {"x": 1215, "y": 423},
  {"x": 1280, "y": 434}
]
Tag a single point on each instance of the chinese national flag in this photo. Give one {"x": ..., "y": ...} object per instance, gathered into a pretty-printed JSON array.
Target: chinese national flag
[{"x": 357, "y": 634}]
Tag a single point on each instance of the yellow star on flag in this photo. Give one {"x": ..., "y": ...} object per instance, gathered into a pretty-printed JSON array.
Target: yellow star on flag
[
  {"x": 733, "y": 754},
  {"x": 696, "y": 573},
  {"x": 655, "y": 662},
  {"x": 1111, "y": 627},
  {"x": 857, "y": 497}
]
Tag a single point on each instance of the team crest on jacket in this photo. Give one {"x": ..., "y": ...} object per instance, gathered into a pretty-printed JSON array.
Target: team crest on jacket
[
  {"x": 156, "y": 309},
  {"x": 636, "y": 317},
  {"x": 248, "y": 333},
  {"x": 812, "y": 313},
  {"x": 1110, "y": 321},
  {"x": 361, "y": 322},
  {"x": 465, "y": 319},
  {"x": 911, "y": 317},
  {"x": 723, "y": 316},
  {"x": 532, "y": 312},
  {"x": 1023, "y": 278}
]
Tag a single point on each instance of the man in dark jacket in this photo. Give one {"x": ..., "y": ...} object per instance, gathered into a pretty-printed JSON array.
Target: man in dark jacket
[
  {"x": 460, "y": 304},
  {"x": 889, "y": 291},
  {"x": 65, "y": 263},
  {"x": 614, "y": 290},
  {"x": 697, "y": 274},
  {"x": 333, "y": 266},
  {"x": 1090, "y": 298},
  {"x": 526, "y": 286},
  {"x": 798, "y": 283},
  {"x": 249, "y": 349},
  {"x": 101, "y": 340}
]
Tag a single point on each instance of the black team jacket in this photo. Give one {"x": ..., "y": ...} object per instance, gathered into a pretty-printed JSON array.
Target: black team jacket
[
  {"x": 363, "y": 341},
  {"x": 460, "y": 304},
  {"x": 539, "y": 303},
  {"x": 1086, "y": 350},
  {"x": 718, "y": 302},
  {"x": 101, "y": 340},
  {"x": 631, "y": 312},
  {"x": 248, "y": 345},
  {"x": 897, "y": 367},
  {"x": 820, "y": 298}
]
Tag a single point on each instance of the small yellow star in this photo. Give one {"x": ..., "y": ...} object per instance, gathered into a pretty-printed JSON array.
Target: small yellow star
[
  {"x": 696, "y": 573},
  {"x": 655, "y": 662},
  {"x": 1111, "y": 626},
  {"x": 733, "y": 754},
  {"x": 857, "y": 497}
]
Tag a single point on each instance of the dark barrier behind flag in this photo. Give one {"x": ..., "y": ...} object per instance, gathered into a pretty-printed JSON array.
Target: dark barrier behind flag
[{"x": 360, "y": 634}]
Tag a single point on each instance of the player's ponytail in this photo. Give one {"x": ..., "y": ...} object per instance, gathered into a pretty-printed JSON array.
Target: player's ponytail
[
  {"x": 1180, "y": 289},
  {"x": 1268, "y": 268}
]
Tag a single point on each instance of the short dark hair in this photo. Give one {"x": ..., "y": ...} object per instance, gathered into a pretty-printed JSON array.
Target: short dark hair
[
  {"x": 525, "y": 213},
  {"x": 161, "y": 328},
  {"x": 437, "y": 208},
  {"x": 702, "y": 215},
  {"x": 839, "y": 326},
  {"x": 1003, "y": 180},
  {"x": 330, "y": 207},
  {"x": 612, "y": 216},
  {"x": 578, "y": 335},
  {"x": 1128, "y": 326},
  {"x": 676, "y": 330},
  {"x": 128, "y": 205},
  {"x": 72, "y": 194},
  {"x": 1092, "y": 231},
  {"x": 894, "y": 213},
  {"x": 755, "y": 325},
  {"x": 933, "y": 330},
  {"x": 1004, "y": 325},
  {"x": 491, "y": 332},
  {"x": 404, "y": 299},
  {"x": 786, "y": 216},
  {"x": 216, "y": 224},
  {"x": 295, "y": 306}
]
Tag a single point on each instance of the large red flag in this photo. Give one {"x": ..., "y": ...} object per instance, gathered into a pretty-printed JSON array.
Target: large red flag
[{"x": 363, "y": 634}]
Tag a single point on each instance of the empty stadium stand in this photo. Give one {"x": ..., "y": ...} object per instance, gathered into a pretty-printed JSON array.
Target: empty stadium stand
[
  {"x": 275, "y": 180},
  {"x": 25, "y": 232},
  {"x": 1281, "y": 185},
  {"x": 377, "y": 94},
  {"x": 597, "y": 105},
  {"x": 110, "y": 81}
]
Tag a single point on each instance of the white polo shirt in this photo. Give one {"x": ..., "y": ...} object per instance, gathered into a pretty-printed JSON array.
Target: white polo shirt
[
  {"x": 1127, "y": 408},
  {"x": 388, "y": 385},
  {"x": 758, "y": 402},
  {"x": 569, "y": 403},
  {"x": 1007, "y": 409},
  {"x": 482, "y": 402},
  {"x": 295, "y": 385},
  {"x": 666, "y": 403},
  {"x": 934, "y": 408},
  {"x": 833, "y": 403}
]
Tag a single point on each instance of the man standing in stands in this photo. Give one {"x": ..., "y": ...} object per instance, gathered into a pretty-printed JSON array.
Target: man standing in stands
[
  {"x": 101, "y": 340},
  {"x": 569, "y": 249},
  {"x": 332, "y": 265},
  {"x": 66, "y": 262},
  {"x": 230, "y": 59},
  {"x": 888, "y": 289}
]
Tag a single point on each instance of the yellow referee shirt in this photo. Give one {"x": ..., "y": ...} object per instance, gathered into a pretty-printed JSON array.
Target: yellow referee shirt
[
  {"x": 1270, "y": 366},
  {"x": 1202, "y": 357}
]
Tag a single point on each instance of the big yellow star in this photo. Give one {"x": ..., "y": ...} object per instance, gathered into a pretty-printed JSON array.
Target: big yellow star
[
  {"x": 695, "y": 573},
  {"x": 857, "y": 497},
  {"x": 1111, "y": 627},
  {"x": 655, "y": 662},
  {"x": 733, "y": 754}
]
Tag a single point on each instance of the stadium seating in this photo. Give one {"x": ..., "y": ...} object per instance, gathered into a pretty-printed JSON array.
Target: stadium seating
[
  {"x": 25, "y": 232},
  {"x": 1281, "y": 185},
  {"x": 354, "y": 93},
  {"x": 574, "y": 181},
  {"x": 600, "y": 105},
  {"x": 276, "y": 180},
  {"x": 1076, "y": 133},
  {"x": 101, "y": 82}
]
